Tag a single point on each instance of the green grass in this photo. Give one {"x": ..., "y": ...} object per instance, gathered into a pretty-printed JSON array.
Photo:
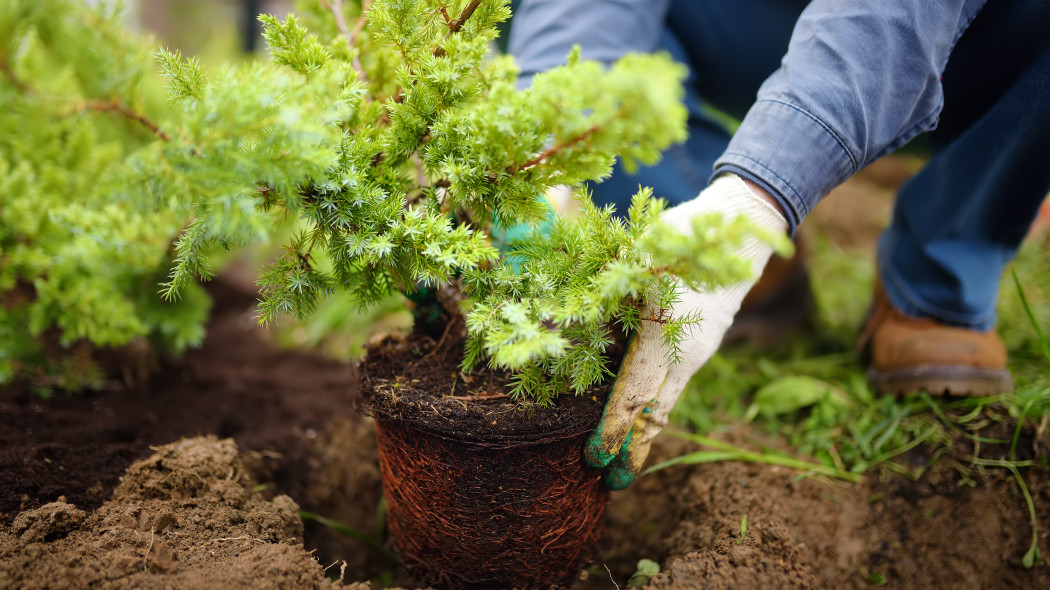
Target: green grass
[
  {"x": 385, "y": 578},
  {"x": 812, "y": 393},
  {"x": 353, "y": 533}
]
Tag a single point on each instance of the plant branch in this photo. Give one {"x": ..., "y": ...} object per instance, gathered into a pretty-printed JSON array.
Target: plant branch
[
  {"x": 336, "y": 8},
  {"x": 450, "y": 296},
  {"x": 444, "y": 12},
  {"x": 453, "y": 27},
  {"x": 18, "y": 83},
  {"x": 114, "y": 106},
  {"x": 553, "y": 150},
  {"x": 467, "y": 12},
  {"x": 456, "y": 25},
  {"x": 102, "y": 106},
  {"x": 365, "y": 5}
]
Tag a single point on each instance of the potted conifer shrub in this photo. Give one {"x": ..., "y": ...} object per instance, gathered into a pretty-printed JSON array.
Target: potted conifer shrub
[{"x": 406, "y": 154}]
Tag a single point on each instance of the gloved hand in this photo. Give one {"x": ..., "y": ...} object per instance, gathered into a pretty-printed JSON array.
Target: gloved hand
[{"x": 648, "y": 385}]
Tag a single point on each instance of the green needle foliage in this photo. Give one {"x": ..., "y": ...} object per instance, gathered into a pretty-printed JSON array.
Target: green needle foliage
[
  {"x": 81, "y": 248},
  {"x": 402, "y": 147},
  {"x": 581, "y": 275}
]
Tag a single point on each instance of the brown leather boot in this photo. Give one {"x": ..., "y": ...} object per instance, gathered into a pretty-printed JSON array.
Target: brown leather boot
[{"x": 909, "y": 354}]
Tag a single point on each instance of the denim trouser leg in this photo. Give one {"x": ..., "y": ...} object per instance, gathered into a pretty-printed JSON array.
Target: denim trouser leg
[
  {"x": 729, "y": 49},
  {"x": 961, "y": 219},
  {"x": 683, "y": 168}
]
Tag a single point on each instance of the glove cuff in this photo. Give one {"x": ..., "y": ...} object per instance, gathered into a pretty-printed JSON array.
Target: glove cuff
[{"x": 731, "y": 197}]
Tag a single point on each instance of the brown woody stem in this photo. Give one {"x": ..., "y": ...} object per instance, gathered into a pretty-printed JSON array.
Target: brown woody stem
[
  {"x": 456, "y": 25},
  {"x": 554, "y": 149},
  {"x": 113, "y": 106},
  {"x": 5, "y": 67},
  {"x": 336, "y": 8},
  {"x": 365, "y": 5},
  {"x": 467, "y": 12}
]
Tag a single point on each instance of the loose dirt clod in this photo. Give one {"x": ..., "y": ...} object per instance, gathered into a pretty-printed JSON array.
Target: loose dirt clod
[
  {"x": 47, "y": 523},
  {"x": 186, "y": 517}
]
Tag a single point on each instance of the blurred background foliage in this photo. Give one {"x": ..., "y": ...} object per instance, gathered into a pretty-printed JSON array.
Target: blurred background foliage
[{"x": 221, "y": 31}]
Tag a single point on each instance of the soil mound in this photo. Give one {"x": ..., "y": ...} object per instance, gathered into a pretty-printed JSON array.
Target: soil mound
[{"x": 186, "y": 517}]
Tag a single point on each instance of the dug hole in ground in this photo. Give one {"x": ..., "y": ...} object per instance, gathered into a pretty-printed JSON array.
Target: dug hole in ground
[{"x": 194, "y": 479}]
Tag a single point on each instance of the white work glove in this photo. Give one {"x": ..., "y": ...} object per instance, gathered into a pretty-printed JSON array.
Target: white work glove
[{"x": 648, "y": 384}]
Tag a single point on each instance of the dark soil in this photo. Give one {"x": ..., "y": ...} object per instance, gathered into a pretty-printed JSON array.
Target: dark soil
[
  {"x": 293, "y": 417},
  {"x": 238, "y": 385}
]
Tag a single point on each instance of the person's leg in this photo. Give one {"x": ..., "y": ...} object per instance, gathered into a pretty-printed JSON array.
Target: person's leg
[
  {"x": 729, "y": 49},
  {"x": 961, "y": 219},
  {"x": 733, "y": 47}
]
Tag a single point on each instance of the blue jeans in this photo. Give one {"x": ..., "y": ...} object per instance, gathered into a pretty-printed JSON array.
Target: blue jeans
[
  {"x": 729, "y": 49},
  {"x": 961, "y": 219}
]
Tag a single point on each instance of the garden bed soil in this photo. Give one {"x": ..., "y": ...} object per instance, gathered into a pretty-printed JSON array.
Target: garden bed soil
[{"x": 197, "y": 514}]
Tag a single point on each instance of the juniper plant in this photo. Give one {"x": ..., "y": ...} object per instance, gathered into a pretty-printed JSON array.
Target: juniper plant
[
  {"x": 81, "y": 248},
  {"x": 397, "y": 142},
  {"x": 402, "y": 145}
]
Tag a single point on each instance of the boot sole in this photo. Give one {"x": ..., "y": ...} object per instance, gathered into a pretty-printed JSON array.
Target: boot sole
[{"x": 941, "y": 380}]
